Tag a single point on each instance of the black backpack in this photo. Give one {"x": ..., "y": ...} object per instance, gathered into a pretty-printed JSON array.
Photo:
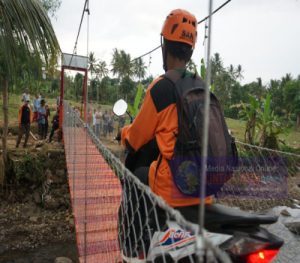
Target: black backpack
[{"x": 185, "y": 164}]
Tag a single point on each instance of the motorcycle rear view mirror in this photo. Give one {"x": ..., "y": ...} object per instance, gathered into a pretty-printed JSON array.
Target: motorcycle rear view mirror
[{"x": 120, "y": 107}]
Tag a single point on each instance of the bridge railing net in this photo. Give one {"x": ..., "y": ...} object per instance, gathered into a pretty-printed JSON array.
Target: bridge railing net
[
  {"x": 265, "y": 178},
  {"x": 130, "y": 218},
  {"x": 267, "y": 181}
]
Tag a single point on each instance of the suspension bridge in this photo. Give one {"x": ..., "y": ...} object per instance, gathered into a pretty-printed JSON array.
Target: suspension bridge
[
  {"x": 99, "y": 201},
  {"x": 95, "y": 194},
  {"x": 94, "y": 175}
]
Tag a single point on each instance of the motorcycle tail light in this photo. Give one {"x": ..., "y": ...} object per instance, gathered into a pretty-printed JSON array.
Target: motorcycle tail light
[
  {"x": 262, "y": 256},
  {"x": 241, "y": 246}
]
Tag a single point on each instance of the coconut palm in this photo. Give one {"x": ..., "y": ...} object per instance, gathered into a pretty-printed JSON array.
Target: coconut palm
[
  {"x": 239, "y": 72},
  {"x": 23, "y": 24},
  {"x": 122, "y": 65},
  {"x": 139, "y": 68},
  {"x": 101, "y": 71},
  {"x": 216, "y": 66},
  {"x": 92, "y": 63}
]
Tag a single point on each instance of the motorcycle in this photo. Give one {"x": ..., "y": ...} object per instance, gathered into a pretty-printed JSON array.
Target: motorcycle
[{"x": 236, "y": 232}]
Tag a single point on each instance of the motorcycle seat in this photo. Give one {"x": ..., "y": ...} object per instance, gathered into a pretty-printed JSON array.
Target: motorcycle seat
[
  {"x": 221, "y": 215},
  {"x": 224, "y": 215}
]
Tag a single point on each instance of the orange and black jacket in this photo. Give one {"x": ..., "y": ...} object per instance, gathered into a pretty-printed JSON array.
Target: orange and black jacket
[
  {"x": 158, "y": 118},
  {"x": 25, "y": 116}
]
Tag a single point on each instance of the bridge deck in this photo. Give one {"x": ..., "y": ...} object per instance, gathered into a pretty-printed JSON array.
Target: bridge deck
[{"x": 95, "y": 197}]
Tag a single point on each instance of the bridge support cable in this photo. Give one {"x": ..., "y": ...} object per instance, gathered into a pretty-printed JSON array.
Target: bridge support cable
[{"x": 199, "y": 22}]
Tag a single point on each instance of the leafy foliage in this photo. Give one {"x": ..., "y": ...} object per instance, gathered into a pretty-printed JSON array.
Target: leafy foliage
[
  {"x": 269, "y": 125},
  {"x": 26, "y": 24},
  {"x": 134, "y": 109},
  {"x": 51, "y": 6},
  {"x": 248, "y": 112},
  {"x": 29, "y": 168},
  {"x": 121, "y": 64}
]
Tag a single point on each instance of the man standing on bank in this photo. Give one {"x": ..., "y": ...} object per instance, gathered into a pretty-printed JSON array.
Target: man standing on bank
[{"x": 24, "y": 123}]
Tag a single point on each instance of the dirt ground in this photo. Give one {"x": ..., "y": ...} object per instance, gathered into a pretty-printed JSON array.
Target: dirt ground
[{"x": 36, "y": 222}]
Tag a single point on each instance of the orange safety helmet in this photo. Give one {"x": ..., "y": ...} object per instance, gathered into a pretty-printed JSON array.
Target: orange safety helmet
[{"x": 180, "y": 26}]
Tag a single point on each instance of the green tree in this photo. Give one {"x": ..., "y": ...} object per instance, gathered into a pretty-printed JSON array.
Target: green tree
[
  {"x": 101, "y": 71},
  {"x": 269, "y": 125},
  {"x": 122, "y": 65},
  {"x": 292, "y": 98},
  {"x": 23, "y": 23},
  {"x": 51, "y": 6},
  {"x": 109, "y": 94},
  {"x": 92, "y": 64},
  {"x": 127, "y": 87},
  {"x": 217, "y": 67},
  {"x": 139, "y": 68},
  {"x": 225, "y": 84},
  {"x": 78, "y": 83},
  {"x": 276, "y": 91},
  {"x": 255, "y": 88},
  {"x": 249, "y": 112}
]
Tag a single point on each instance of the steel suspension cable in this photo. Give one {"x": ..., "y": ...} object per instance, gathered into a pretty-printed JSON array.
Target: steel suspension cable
[
  {"x": 205, "y": 125},
  {"x": 87, "y": 9},
  {"x": 215, "y": 11},
  {"x": 201, "y": 21},
  {"x": 79, "y": 29}
]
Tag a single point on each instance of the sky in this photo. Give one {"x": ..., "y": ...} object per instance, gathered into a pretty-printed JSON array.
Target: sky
[{"x": 261, "y": 35}]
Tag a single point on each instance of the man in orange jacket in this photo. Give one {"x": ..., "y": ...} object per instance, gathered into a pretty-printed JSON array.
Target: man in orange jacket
[
  {"x": 24, "y": 123},
  {"x": 158, "y": 115}
]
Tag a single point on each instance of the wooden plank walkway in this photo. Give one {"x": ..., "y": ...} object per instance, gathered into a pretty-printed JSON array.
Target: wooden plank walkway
[{"x": 95, "y": 197}]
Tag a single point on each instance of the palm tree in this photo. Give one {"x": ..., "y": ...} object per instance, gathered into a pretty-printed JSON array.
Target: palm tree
[
  {"x": 232, "y": 72},
  {"x": 239, "y": 72},
  {"x": 23, "y": 24},
  {"x": 92, "y": 63},
  {"x": 101, "y": 71},
  {"x": 122, "y": 65},
  {"x": 216, "y": 66},
  {"x": 139, "y": 68}
]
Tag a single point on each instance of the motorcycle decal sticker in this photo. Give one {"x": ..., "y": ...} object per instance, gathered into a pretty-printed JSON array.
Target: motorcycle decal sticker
[{"x": 178, "y": 243}]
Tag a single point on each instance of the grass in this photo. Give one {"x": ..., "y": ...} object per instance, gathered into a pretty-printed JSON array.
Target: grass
[
  {"x": 237, "y": 128},
  {"x": 291, "y": 137}
]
